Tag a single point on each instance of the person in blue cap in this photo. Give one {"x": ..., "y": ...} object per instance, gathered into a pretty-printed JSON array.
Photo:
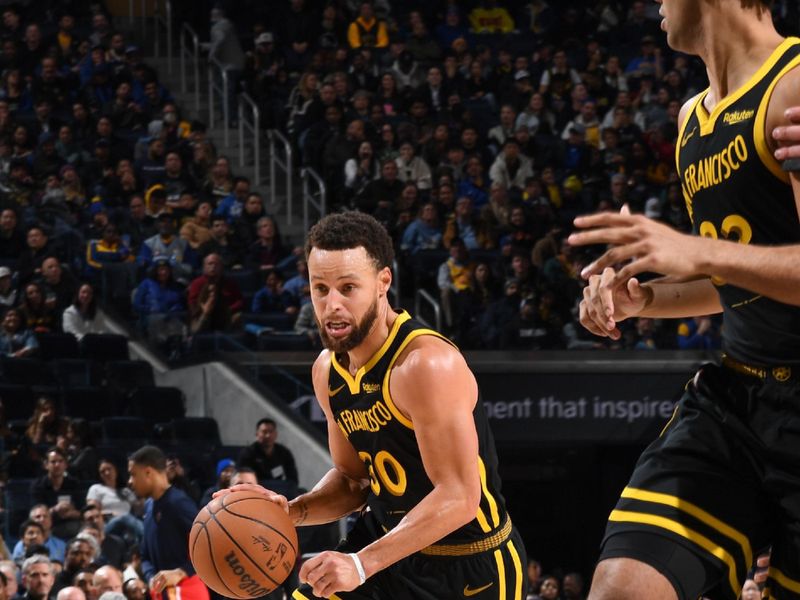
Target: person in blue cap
[{"x": 225, "y": 470}]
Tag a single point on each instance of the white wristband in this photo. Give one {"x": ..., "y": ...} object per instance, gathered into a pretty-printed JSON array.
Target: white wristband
[{"x": 362, "y": 576}]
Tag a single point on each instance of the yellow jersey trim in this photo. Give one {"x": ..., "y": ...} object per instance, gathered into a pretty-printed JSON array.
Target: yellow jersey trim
[
  {"x": 387, "y": 395},
  {"x": 785, "y": 582},
  {"x": 354, "y": 383},
  {"x": 696, "y": 512},
  {"x": 760, "y": 132},
  {"x": 692, "y": 108},
  {"x": 489, "y": 498},
  {"x": 501, "y": 574},
  {"x": 298, "y": 595},
  {"x": 517, "y": 570},
  {"x": 708, "y": 121},
  {"x": 683, "y": 531},
  {"x": 671, "y": 419}
]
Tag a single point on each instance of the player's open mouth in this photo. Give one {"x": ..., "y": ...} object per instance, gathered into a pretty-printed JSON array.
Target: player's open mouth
[{"x": 337, "y": 328}]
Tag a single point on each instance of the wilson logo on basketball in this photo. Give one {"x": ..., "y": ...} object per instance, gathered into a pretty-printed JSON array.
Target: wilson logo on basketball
[
  {"x": 277, "y": 558},
  {"x": 246, "y": 581}
]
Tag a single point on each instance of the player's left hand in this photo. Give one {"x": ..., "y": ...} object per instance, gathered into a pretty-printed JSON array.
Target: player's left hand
[
  {"x": 330, "y": 572},
  {"x": 650, "y": 246}
]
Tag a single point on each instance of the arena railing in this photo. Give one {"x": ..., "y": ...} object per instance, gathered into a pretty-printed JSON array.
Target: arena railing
[
  {"x": 422, "y": 296},
  {"x": 163, "y": 19},
  {"x": 313, "y": 197},
  {"x": 284, "y": 164},
  {"x": 250, "y": 121},
  {"x": 218, "y": 83},
  {"x": 142, "y": 15},
  {"x": 190, "y": 51}
]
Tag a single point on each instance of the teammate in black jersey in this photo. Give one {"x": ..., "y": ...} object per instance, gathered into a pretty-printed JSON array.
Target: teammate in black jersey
[
  {"x": 409, "y": 440},
  {"x": 721, "y": 482}
]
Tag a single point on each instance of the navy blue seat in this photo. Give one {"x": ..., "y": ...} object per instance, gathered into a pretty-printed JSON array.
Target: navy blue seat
[
  {"x": 285, "y": 342},
  {"x": 156, "y": 404},
  {"x": 58, "y": 345},
  {"x": 196, "y": 431},
  {"x": 103, "y": 347},
  {"x": 88, "y": 402},
  {"x": 26, "y": 371},
  {"x": 17, "y": 401},
  {"x": 129, "y": 432}
]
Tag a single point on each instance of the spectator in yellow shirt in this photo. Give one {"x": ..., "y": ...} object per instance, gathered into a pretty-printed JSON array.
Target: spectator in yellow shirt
[
  {"x": 367, "y": 31},
  {"x": 490, "y": 18}
]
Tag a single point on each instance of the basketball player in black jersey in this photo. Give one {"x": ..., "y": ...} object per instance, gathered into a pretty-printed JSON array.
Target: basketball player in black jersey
[
  {"x": 722, "y": 482},
  {"x": 409, "y": 441}
]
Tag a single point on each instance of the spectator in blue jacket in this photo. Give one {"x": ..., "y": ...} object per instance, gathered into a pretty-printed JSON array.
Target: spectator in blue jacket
[
  {"x": 424, "y": 233},
  {"x": 167, "y": 244},
  {"x": 16, "y": 341},
  {"x": 272, "y": 298},
  {"x": 232, "y": 205},
  {"x": 160, "y": 303}
]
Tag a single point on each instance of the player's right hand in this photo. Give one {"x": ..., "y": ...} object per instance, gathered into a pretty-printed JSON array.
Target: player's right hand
[
  {"x": 605, "y": 304},
  {"x": 278, "y": 499}
]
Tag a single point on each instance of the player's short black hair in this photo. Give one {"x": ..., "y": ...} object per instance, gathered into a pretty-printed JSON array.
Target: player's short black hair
[
  {"x": 149, "y": 456},
  {"x": 351, "y": 229}
]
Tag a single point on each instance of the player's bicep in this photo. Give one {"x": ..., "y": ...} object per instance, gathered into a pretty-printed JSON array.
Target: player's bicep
[
  {"x": 438, "y": 391},
  {"x": 785, "y": 96}
]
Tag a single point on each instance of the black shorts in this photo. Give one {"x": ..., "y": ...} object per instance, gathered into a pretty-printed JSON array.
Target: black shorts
[
  {"x": 720, "y": 485},
  {"x": 496, "y": 574}
]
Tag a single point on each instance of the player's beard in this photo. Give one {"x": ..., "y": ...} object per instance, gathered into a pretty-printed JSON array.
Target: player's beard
[{"x": 357, "y": 335}]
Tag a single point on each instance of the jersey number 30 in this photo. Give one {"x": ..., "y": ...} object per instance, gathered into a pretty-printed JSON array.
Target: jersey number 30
[{"x": 385, "y": 472}]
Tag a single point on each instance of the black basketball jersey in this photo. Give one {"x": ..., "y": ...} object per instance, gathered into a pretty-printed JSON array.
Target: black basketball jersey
[
  {"x": 384, "y": 439},
  {"x": 736, "y": 190}
]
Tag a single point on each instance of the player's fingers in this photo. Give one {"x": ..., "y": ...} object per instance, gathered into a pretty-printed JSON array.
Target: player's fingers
[
  {"x": 763, "y": 561},
  {"x": 308, "y": 566},
  {"x": 787, "y": 133},
  {"x": 587, "y": 321},
  {"x": 594, "y": 305},
  {"x": 602, "y": 235},
  {"x": 610, "y": 258},
  {"x": 606, "y": 294},
  {"x": 787, "y": 152},
  {"x": 632, "y": 269},
  {"x": 793, "y": 114},
  {"x": 605, "y": 219}
]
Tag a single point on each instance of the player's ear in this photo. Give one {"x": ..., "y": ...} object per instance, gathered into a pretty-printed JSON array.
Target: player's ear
[{"x": 384, "y": 280}]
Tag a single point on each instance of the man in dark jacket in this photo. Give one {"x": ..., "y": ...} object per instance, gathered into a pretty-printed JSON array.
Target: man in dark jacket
[{"x": 269, "y": 459}]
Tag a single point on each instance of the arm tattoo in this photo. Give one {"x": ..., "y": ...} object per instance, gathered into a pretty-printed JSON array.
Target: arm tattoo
[{"x": 303, "y": 513}]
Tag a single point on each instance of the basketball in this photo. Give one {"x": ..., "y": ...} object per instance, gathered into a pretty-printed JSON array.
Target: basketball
[{"x": 242, "y": 545}]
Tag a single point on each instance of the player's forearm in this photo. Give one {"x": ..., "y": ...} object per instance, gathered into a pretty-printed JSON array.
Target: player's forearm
[
  {"x": 766, "y": 270},
  {"x": 335, "y": 496},
  {"x": 442, "y": 511},
  {"x": 680, "y": 300}
]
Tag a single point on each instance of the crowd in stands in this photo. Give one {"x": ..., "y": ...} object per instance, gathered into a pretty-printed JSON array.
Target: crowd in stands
[{"x": 474, "y": 131}]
